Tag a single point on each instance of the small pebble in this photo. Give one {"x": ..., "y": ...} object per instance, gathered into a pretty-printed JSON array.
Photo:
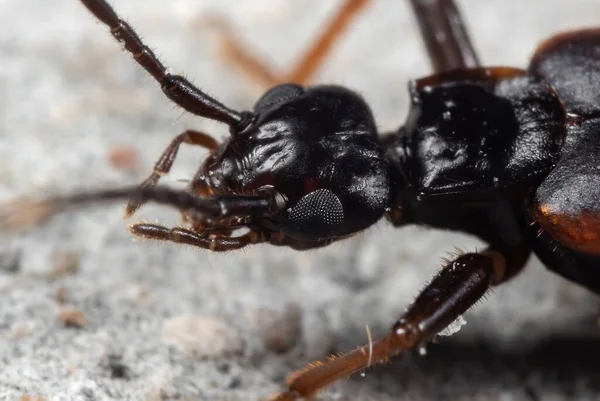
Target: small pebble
[
  {"x": 72, "y": 318},
  {"x": 27, "y": 397},
  {"x": 124, "y": 158},
  {"x": 66, "y": 264},
  {"x": 203, "y": 337},
  {"x": 279, "y": 330},
  {"x": 60, "y": 295},
  {"x": 21, "y": 331},
  {"x": 10, "y": 261},
  {"x": 113, "y": 363}
]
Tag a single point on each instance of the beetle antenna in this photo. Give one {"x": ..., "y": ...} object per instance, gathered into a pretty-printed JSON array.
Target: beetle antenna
[
  {"x": 176, "y": 87},
  {"x": 24, "y": 213}
]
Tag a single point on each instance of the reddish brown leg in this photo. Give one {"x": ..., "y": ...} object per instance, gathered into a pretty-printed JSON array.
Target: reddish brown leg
[
  {"x": 165, "y": 162},
  {"x": 316, "y": 54},
  {"x": 237, "y": 53},
  {"x": 452, "y": 292},
  {"x": 219, "y": 242}
]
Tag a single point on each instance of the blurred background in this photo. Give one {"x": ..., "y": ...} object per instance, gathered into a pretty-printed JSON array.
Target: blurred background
[{"x": 86, "y": 313}]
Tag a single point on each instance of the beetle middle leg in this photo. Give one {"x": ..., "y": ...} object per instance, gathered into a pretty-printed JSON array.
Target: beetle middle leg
[
  {"x": 166, "y": 159},
  {"x": 237, "y": 54},
  {"x": 445, "y": 35}
]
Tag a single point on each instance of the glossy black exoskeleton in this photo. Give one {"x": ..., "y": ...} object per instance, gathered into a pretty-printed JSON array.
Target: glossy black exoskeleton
[{"x": 511, "y": 156}]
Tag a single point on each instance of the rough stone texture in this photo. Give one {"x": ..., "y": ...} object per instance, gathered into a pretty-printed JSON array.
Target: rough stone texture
[{"x": 69, "y": 97}]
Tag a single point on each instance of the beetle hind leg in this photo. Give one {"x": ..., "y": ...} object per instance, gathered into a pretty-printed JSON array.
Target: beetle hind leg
[{"x": 240, "y": 56}]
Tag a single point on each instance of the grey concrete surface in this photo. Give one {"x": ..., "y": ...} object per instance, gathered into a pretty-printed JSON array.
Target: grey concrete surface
[{"x": 165, "y": 322}]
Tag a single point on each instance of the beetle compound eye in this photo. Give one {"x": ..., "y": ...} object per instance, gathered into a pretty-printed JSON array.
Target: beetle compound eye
[
  {"x": 316, "y": 215},
  {"x": 278, "y": 94}
]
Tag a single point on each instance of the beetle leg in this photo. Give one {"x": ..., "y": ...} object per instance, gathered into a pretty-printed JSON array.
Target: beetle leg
[
  {"x": 445, "y": 35},
  {"x": 455, "y": 289},
  {"x": 166, "y": 159},
  {"x": 237, "y": 54},
  {"x": 175, "y": 87},
  {"x": 313, "y": 58},
  {"x": 219, "y": 242}
]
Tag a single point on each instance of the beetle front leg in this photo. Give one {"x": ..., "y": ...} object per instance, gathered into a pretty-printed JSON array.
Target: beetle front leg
[{"x": 220, "y": 242}]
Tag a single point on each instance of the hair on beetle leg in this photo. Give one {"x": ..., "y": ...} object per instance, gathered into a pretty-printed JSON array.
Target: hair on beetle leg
[
  {"x": 451, "y": 255},
  {"x": 455, "y": 253},
  {"x": 370, "y": 345}
]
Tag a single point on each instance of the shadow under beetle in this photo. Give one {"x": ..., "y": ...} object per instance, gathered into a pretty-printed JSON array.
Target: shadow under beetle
[{"x": 508, "y": 155}]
